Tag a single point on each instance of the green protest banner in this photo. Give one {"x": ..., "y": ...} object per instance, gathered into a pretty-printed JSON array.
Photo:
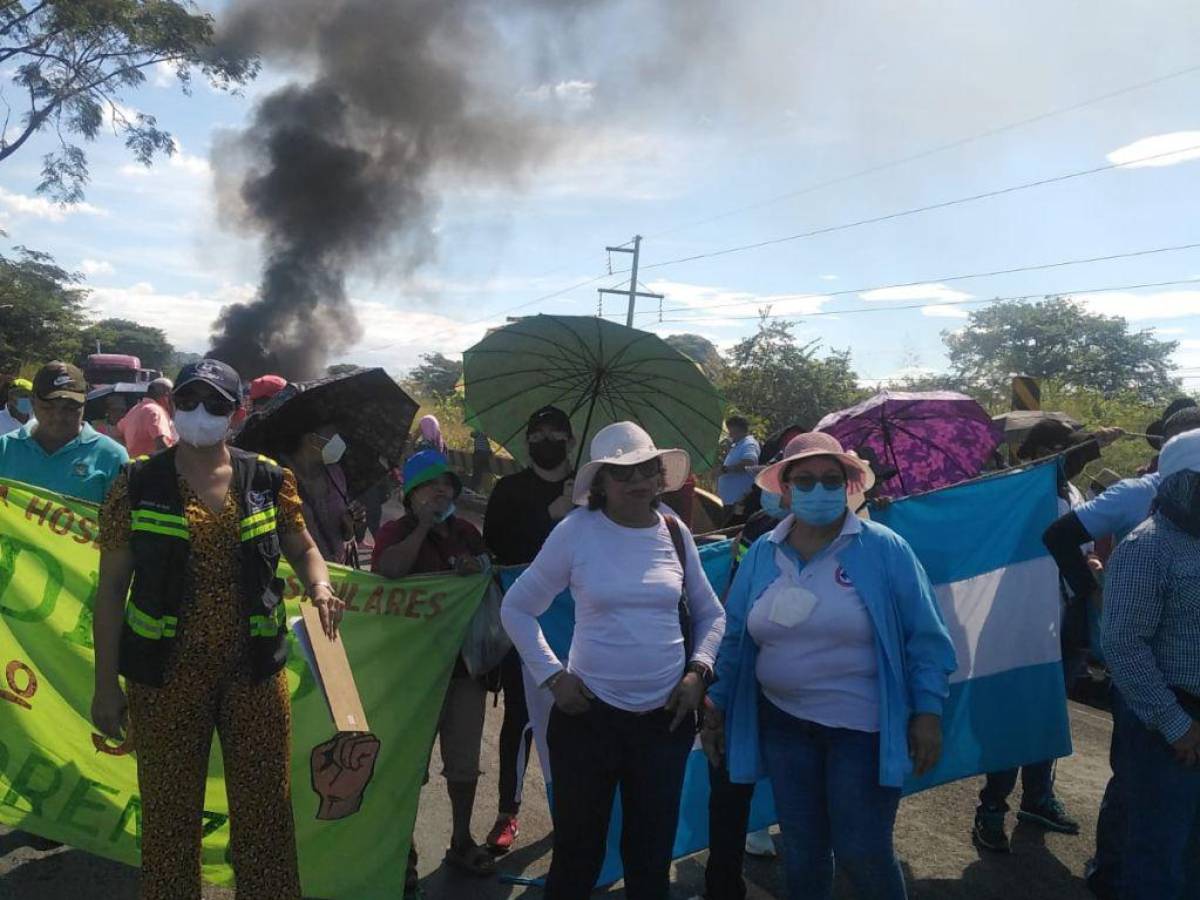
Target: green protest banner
[{"x": 61, "y": 780}]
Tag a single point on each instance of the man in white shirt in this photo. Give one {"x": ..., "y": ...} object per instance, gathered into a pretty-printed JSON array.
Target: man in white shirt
[
  {"x": 18, "y": 410},
  {"x": 736, "y": 481}
]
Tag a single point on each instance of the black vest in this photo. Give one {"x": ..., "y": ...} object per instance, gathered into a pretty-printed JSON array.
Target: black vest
[{"x": 161, "y": 545}]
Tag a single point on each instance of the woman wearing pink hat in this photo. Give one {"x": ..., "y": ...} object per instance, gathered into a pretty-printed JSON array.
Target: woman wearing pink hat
[
  {"x": 625, "y": 701},
  {"x": 832, "y": 674}
]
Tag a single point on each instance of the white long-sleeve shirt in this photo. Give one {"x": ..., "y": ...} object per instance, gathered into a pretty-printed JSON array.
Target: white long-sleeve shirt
[{"x": 627, "y": 647}]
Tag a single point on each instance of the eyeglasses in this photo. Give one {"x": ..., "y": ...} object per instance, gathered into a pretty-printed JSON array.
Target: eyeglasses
[
  {"x": 538, "y": 437},
  {"x": 214, "y": 403},
  {"x": 648, "y": 469},
  {"x": 805, "y": 483}
]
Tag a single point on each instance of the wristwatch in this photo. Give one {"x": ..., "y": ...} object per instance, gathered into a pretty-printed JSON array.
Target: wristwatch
[{"x": 705, "y": 673}]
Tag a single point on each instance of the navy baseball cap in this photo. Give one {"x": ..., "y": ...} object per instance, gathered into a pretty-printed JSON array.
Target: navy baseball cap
[
  {"x": 549, "y": 416},
  {"x": 221, "y": 377}
]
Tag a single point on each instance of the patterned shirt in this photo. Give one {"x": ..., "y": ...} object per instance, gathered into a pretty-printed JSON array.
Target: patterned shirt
[{"x": 1151, "y": 624}]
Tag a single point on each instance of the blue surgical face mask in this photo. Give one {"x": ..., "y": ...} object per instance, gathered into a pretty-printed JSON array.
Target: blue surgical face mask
[
  {"x": 772, "y": 505},
  {"x": 820, "y": 506},
  {"x": 24, "y": 406}
]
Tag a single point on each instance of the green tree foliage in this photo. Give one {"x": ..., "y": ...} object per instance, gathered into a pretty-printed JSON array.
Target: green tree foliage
[
  {"x": 437, "y": 376},
  {"x": 702, "y": 351},
  {"x": 70, "y": 61},
  {"x": 1056, "y": 339},
  {"x": 776, "y": 381},
  {"x": 41, "y": 310},
  {"x": 150, "y": 345}
]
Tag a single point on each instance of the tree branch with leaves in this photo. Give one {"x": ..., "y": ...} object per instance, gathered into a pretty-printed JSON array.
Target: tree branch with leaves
[{"x": 73, "y": 59}]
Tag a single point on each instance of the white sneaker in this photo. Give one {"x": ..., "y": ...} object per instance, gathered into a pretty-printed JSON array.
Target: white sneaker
[{"x": 759, "y": 843}]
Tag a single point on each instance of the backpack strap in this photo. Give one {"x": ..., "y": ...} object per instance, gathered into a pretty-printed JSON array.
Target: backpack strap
[{"x": 685, "y": 613}]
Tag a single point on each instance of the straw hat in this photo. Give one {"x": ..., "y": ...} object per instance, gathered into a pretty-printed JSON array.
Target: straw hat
[
  {"x": 859, "y": 477},
  {"x": 628, "y": 444}
]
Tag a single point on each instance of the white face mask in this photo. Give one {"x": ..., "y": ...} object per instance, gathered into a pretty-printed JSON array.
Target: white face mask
[
  {"x": 333, "y": 450},
  {"x": 200, "y": 428},
  {"x": 450, "y": 510}
]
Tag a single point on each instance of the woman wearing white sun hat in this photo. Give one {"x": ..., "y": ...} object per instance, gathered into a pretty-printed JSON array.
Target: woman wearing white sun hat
[
  {"x": 832, "y": 675},
  {"x": 626, "y": 699}
]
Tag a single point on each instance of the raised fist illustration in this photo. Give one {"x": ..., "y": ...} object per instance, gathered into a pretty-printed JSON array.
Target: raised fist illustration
[{"x": 341, "y": 769}]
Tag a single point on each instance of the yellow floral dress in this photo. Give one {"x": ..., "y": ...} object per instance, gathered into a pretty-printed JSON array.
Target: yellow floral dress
[{"x": 209, "y": 686}]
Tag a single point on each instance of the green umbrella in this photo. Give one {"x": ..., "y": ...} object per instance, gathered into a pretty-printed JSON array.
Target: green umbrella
[{"x": 597, "y": 372}]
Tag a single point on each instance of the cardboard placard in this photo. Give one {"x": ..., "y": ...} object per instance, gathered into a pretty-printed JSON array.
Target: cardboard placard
[{"x": 332, "y": 671}]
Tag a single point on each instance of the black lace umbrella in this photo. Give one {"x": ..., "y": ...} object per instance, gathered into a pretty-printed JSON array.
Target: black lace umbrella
[{"x": 371, "y": 412}]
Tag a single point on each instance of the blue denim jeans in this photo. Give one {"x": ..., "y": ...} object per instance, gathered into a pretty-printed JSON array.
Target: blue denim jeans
[
  {"x": 1162, "y": 823},
  {"x": 831, "y": 807}
]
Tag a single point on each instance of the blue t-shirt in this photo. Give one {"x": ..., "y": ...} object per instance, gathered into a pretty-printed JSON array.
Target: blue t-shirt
[
  {"x": 733, "y": 486},
  {"x": 1121, "y": 508},
  {"x": 85, "y": 468}
]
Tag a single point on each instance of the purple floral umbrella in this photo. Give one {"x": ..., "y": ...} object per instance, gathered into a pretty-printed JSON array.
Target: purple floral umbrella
[{"x": 931, "y": 439}]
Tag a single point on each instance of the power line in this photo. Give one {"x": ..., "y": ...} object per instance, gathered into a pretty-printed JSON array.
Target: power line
[
  {"x": 948, "y": 278},
  {"x": 941, "y": 148},
  {"x": 944, "y": 204},
  {"x": 885, "y": 309}
]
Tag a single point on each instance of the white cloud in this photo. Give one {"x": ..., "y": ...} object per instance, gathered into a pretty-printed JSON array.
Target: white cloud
[
  {"x": 903, "y": 374},
  {"x": 1189, "y": 344},
  {"x": 96, "y": 267},
  {"x": 829, "y": 278},
  {"x": 1158, "y": 150},
  {"x": 715, "y": 307},
  {"x": 574, "y": 94},
  {"x": 1168, "y": 331},
  {"x": 41, "y": 208},
  {"x": 112, "y": 113},
  {"x": 944, "y": 311},
  {"x": 163, "y": 75},
  {"x": 180, "y": 162},
  {"x": 1136, "y": 307},
  {"x": 938, "y": 292},
  {"x": 186, "y": 318}
]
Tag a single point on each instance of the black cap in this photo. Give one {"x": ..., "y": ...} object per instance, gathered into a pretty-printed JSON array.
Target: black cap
[
  {"x": 59, "y": 380},
  {"x": 220, "y": 376},
  {"x": 549, "y": 417}
]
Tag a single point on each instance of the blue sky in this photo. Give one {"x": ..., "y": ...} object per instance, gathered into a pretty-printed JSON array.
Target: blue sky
[{"x": 699, "y": 152}]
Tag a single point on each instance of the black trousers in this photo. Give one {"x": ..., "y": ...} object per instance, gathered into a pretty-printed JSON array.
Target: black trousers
[
  {"x": 516, "y": 736},
  {"x": 593, "y": 754},
  {"x": 728, "y": 819}
]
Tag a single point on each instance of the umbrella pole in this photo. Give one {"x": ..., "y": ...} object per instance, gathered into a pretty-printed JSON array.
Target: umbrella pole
[
  {"x": 887, "y": 442},
  {"x": 595, "y": 393}
]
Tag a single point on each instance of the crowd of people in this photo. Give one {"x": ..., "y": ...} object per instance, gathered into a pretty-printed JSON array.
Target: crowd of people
[{"x": 824, "y": 669}]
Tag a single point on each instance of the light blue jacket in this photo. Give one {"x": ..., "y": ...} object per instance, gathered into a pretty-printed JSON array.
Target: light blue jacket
[{"x": 913, "y": 649}]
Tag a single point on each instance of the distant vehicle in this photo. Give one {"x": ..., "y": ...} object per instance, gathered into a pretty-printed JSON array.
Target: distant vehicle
[{"x": 114, "y": 368}]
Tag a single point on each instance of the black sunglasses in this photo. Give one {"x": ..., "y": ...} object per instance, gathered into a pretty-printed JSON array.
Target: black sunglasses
[
  {"x": 805, "y": 483},
  {"x": 647, "y": 469},
  {"x": 215, "y": 404}
]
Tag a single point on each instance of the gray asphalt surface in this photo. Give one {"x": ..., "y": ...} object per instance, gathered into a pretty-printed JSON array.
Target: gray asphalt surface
[{"x": 932, "y": 837}]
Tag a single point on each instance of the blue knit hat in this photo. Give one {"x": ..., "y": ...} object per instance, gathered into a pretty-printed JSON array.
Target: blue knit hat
[{"x": 422, "y": 468}]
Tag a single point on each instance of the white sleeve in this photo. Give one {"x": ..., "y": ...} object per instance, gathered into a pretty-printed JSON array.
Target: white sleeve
[
  {"x": 531, "y": 595},
  {"x": 708, "y": 616}
]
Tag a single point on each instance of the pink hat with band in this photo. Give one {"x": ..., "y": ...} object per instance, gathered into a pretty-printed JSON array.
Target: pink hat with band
[{"x": 859, "y": 477}]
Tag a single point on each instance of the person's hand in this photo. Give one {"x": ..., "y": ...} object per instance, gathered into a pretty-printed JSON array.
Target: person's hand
[
  {"x": 712, "y": 735},
  {"x": 358, "y": 513},
  {"x": 330, "y": 607},
  {"x": 564, "y": 503},
  {"x": 571, "y": 695},
  {"x": 685, "y": 700},
  {"x": 427, "y": 514},
  {"x": 1095, "y": 563},
  {"x": 1187, "y": 748},
  {"x": 110, "y": 711},
  {"x": 468, "y": 565},
  {"x": 924, "y": 741},
  {"x": 1105, "y": 436}
]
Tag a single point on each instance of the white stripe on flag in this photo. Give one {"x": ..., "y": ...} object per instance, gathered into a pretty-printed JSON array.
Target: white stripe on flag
[{"x": 1004, "y": 619}]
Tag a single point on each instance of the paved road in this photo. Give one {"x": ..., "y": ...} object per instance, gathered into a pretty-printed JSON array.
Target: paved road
[{"x": 931, "y": 834}]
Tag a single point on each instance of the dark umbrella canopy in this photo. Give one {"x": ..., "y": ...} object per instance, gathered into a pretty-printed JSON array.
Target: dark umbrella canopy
[
  {"x": 932, "y": 439},
  {"x": 597, "y": 372},
  {"x": 372, "y": 414}
]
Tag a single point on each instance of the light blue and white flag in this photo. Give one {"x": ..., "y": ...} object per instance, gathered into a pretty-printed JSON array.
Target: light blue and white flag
[{"x": 998, "y": 589}]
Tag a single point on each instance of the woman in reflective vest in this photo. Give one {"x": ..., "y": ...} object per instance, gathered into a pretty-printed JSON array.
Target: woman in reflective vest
[{"x": 190, "y": 611}]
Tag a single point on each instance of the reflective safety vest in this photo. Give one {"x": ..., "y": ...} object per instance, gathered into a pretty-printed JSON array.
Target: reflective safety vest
[{"x": 161, "y": 544}]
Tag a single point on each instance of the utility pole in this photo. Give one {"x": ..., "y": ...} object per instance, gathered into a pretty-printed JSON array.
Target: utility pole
[{"x": 633, "y": 293}]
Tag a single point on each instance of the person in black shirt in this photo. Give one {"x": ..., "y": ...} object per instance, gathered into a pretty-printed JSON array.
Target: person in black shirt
[{"x": 521, "y": 512}]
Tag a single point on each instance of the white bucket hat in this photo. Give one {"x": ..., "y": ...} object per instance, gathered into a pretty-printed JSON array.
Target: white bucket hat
[{"x": 627, "y": 444}]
